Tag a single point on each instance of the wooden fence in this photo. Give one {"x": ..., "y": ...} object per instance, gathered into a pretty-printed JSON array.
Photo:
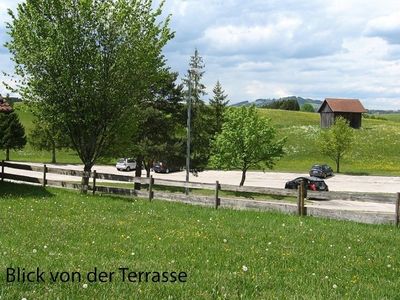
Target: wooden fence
[{"x": 215, "y": 200}]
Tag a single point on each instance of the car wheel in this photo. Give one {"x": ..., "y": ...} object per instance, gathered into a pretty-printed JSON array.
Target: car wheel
[
  {"x": 128, "y": 169},
  {"x": 167, "y": 171}
]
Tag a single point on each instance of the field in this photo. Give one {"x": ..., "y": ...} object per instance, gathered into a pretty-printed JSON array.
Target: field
[
  {"x": 375, "y": 150},
  {"x": 226, "y": 254}
]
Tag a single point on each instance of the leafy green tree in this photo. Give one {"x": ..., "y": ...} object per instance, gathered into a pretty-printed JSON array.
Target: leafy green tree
[
  {"x": 12, "y": 133},
  {"x": 336, "y": 141},
  {"x": 247, "y": 140},
  {"x": 201, "y": 131},
  {"x": 88, "y": 63},
  {"x": 44, "y": 136},
  {"x": 307, "y": 107},
  {"x": 218, "y": 105}
]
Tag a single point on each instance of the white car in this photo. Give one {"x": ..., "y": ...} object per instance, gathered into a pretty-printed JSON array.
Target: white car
[{"x": 126, "y": 164}]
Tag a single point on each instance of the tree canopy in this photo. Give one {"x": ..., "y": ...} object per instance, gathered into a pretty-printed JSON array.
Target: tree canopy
[
  {"x": 336, "y": 141},
  {"x": 88, "y": 63},
  {"x": 247, "y": 140}
]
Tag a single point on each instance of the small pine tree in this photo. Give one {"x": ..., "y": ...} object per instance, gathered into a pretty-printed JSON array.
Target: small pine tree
[
  {"x": 218, "y": 104},
  {"x": 12, "y": 133}
]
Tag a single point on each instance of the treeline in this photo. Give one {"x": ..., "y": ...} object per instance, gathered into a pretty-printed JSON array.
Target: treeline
[{"x": 289, "y": 104}]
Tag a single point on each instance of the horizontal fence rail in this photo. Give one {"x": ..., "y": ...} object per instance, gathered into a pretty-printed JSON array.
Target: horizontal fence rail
[{"x": 213, "y": 200}]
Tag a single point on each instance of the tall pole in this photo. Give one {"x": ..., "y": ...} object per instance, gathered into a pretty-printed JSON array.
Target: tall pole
[{"x": 189, "y": 121}]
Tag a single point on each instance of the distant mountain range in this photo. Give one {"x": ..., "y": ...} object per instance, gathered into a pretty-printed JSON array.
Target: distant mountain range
[{"x": 262, "y": 102}]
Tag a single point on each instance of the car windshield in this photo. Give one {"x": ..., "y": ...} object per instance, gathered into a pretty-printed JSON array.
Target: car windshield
[{"x": 121, "y": 160}]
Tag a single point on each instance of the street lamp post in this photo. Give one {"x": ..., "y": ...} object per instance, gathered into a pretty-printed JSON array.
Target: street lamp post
[{"x": 189, "y": 121}]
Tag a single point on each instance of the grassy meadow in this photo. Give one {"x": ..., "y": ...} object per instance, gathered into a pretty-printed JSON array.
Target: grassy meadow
[
  {"x": 226, "y": 254},
  {"x": 375, "y": 151}
]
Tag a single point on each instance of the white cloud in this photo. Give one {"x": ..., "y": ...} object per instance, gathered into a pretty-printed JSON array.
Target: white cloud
[
  {"x": 385, "y": 27},
  {"x": 265, "y": 49}
]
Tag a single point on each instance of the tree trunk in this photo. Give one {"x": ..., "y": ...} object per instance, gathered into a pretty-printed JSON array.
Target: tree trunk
[
  {"x": 337, "y": 164},
  {"x": 7, "y": 154},
  {"x": 148, "y": 167},
  {"x": 138, "y": 172},
  {"x": 53, "y": 153},
  {"x": 243, "y": 177},
  {"x": 85, "y": 178}
]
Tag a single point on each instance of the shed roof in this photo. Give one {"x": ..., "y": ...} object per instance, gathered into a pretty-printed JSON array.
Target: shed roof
[
  {"x": 344, "y": 105},
  {"x": 4, "y": 106}
]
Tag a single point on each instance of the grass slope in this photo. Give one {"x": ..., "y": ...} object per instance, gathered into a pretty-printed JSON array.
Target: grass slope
[
  {"x": 375, "y": 149},
  {"x": 286, "y": 257}
]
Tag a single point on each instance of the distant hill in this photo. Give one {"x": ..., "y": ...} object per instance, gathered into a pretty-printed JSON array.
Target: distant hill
[{"x": 262, "y": 102}]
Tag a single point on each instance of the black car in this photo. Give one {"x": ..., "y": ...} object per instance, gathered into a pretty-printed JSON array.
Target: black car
[
  {"x": 165, "y": 167},
  {"x": 312, "y": 183},
  {"x": 321, "y": 171}
]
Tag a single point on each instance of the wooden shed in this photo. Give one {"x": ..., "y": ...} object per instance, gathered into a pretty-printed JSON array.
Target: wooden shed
[{"x": 350, "y": 109}]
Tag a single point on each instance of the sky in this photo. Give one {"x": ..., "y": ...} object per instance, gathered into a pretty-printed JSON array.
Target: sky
[{"x": 274, "y": 48}]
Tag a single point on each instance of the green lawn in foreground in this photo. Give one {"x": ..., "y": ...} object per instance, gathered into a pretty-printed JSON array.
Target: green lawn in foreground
[{"x": 287, "y": 257}]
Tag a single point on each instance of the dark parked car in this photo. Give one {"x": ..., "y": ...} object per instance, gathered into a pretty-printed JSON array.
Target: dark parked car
[
  {"x": 312, "y": 183},
  {"x": 321, "y": 171},
  {"x": 165, "y": 167}
]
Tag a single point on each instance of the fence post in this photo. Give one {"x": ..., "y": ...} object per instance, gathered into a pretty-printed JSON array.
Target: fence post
[
  {"x": 2, "y": 170},
  {"x": 217, "y": 199},
  {"x": 94, "y": 181},
  {"x": 397, "y": 210},
  {"x": 300, "y": 199},
  {"x": 44, "y": 175},
  {"x": 151, "y": 194}
]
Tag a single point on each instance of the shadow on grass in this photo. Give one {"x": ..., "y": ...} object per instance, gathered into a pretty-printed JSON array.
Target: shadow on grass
[
  {"x": 356, "y": 173},
  {"x": 22, "y": 190}
]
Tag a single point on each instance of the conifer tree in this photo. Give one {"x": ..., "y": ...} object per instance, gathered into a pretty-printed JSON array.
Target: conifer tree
[
  {"x": 218, "y": 104},
  {"x": 12, "y": 133}
]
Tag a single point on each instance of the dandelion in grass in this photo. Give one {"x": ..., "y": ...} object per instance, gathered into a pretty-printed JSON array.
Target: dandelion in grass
[
  {"x": 389, "y": 266},
  {"x": 245, "y": 268},
  {"x": 334, "y": 286},
  {"x": 133, "y": 253},
  {"x": 85, "y": 285},
  {"x": 34, "y": 251},
  {"x": 326, "y": 277},
  {"x": 225, "y": 240},
  {"x": 313, "y": 274},
  {"x": 283, "y": 225}
]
